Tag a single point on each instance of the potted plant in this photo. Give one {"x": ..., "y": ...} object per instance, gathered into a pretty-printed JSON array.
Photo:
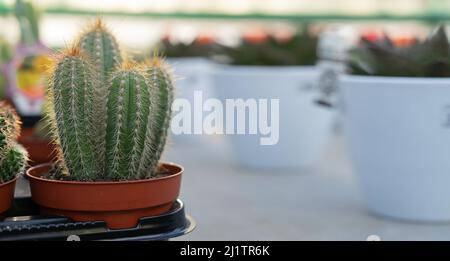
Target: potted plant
[
  {"x": 109, "y": 120},
  {"x": 270, "y": 67},
  {"x": 396, "y": 103},
  {"x": 13, "y": 157},
  {"x": 193, "y": 69}
]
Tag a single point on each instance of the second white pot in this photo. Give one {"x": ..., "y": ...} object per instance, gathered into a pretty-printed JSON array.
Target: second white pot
[
  {"x": 304, "y": 127},
  {"x": 192, "y": 75},
  {"x": 398, "y": 131}
]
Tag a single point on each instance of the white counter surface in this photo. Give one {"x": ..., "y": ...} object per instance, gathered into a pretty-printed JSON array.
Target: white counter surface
[{"x": 232, "y": 203}]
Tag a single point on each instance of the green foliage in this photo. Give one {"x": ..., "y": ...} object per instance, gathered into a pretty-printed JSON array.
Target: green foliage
[
  {"x": 297, "y": 50},
  {"x": 5, "y": 51},
  {"x": 428, "y": 58},
  {"x": 13, "y": 158},
  {"x": 5, "y": 57},
  {"x": 192, "y": 49},
  {"x": 110, "y": 119},
  {"x": 28, "y": 19}
]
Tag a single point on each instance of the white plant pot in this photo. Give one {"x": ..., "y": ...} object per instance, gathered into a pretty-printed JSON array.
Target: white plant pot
[
  {"x": 398, "y": 131},
  {"x": 192, "y": 74},
  {"x": 304, "y": 127}
]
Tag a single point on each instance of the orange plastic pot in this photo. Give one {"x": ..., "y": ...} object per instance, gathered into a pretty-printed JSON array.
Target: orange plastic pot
[
  {"x": 39, "y": 150},
  {"x": 7, "y": 194},
  {"x": 120, "y": 204}
]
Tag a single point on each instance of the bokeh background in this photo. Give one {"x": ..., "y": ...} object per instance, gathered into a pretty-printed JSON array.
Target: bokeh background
[{"x": 305, "y": 188}]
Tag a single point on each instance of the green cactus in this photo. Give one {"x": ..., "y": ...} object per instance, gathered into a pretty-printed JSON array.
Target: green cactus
[
  {"x": 160, "y": 82},
  {"x": 102, "y": 48},
  {"x": 130, "y": 103},
  {"x": 13, "y": 158},
  {"x": 73, "y": 104}
]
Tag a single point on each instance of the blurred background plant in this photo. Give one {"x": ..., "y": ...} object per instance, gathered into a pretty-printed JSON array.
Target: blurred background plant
[
  {"x": 201, "y": 46},
  {"x": 5, "y": 56},
  {"x": 28, "y": 18},
  {"x": 273, "y": 50},
  {"x": 419, "y": 58}
]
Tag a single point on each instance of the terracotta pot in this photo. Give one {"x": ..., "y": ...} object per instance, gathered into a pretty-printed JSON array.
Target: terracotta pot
[
  {"x": 7, "y": 194},
  {"x": 39, "y": 150},
  {"x": 119, "y": 204}
]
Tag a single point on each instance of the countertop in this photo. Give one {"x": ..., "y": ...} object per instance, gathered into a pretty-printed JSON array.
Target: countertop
[{"x": 229, "y": 202}]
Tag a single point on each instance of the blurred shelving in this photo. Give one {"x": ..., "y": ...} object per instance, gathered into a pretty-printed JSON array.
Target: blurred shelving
[{"x": 432, "y": 14}]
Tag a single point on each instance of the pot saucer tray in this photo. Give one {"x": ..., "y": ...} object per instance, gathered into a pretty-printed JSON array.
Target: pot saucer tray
[{"x": 23, "y": 222}]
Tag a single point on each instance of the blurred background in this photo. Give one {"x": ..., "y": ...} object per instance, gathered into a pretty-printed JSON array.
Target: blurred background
[{"x": 303, "y": 188}]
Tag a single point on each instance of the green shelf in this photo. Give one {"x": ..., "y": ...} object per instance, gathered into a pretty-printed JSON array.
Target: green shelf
[{"x": 6, "y": 10}]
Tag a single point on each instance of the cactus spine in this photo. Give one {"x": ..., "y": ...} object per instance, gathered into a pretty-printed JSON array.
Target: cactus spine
[
  {"x": 109, "y": 118},
  {"x": 13, "y": 157}
]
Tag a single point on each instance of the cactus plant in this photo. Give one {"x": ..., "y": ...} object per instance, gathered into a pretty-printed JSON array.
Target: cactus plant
[
  {"x": 428, "y": 58},
  {"x": 109, "y": 118},
  {"x": 13, "y": 157}
]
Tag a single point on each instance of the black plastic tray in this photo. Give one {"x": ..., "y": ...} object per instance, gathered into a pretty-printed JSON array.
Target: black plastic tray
[{"x": 23, "y": 222}]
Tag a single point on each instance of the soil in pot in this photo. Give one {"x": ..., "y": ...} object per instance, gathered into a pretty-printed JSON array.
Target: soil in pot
[
  {"x": 120, "y": 204},
  {"x": 7, "y": 194}
]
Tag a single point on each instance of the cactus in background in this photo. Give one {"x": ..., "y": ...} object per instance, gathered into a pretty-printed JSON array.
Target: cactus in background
[
  {"x": 13, "y": 158},
  {"x": 28, "y": 19},
  {"x": 129, "y": 102}
]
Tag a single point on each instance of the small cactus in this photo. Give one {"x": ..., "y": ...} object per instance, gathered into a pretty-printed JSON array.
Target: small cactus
[
  {"x": 110, "y": 118},
  {"x": 13, "y": 158}
]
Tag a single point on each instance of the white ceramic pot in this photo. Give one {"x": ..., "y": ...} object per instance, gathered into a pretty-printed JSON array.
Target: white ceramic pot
[
  {"x": 398, "y": 132},
  {"x": 304, "y": 127},
  {"x": 192, "y": 74}
]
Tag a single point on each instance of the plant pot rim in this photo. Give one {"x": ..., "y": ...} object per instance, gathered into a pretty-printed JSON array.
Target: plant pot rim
[
  {"x": 10, "y": 181},
  {"x": 393, "y": 79},
  {"x": 188, "y": 58},
  {"x": 261, "y": 70},
  {"x": 267, "y": 67},
  {"x": 29, "y": 175}
]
